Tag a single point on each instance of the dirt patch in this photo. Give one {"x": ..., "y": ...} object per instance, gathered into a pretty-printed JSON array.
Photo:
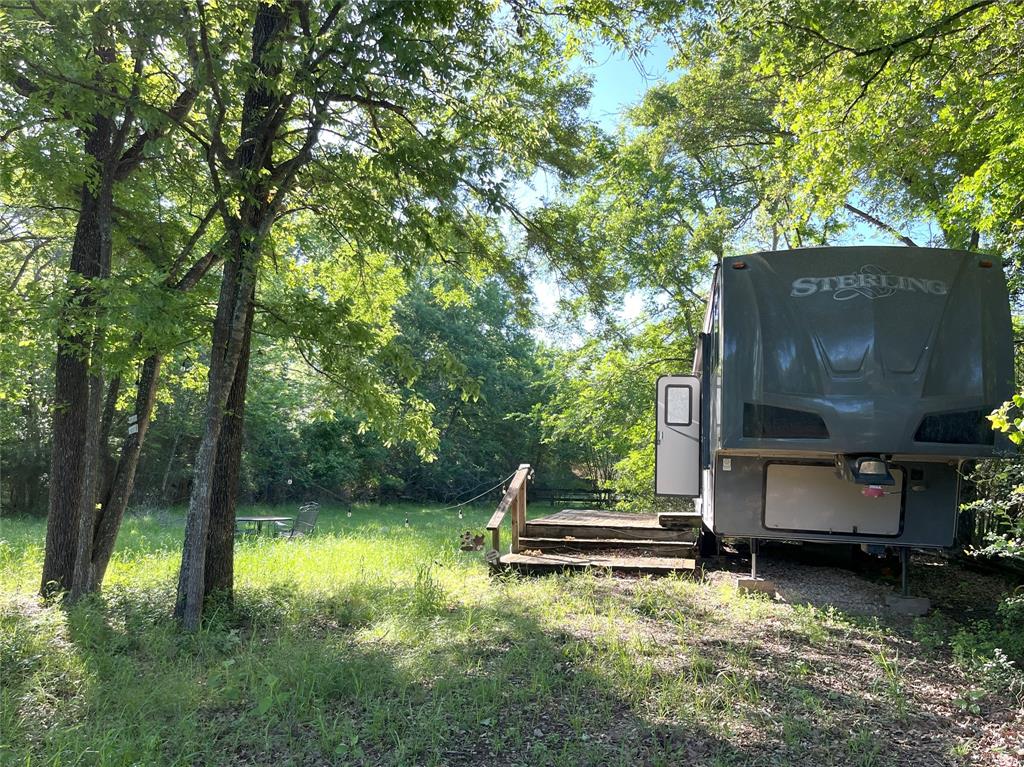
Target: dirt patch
[
  {"x": 951, "y": 587},
  {"x": 818, "y": 586}
]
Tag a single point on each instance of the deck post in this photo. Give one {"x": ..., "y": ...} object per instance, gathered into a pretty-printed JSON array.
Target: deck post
[
  {"x": 513, "y": 499},
  {"x": 517, "y": 513},
  {"x": 522, "y": 494}
]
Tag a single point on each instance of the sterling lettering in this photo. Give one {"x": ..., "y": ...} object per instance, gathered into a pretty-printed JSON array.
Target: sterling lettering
[{"x": 871, "y": 282}]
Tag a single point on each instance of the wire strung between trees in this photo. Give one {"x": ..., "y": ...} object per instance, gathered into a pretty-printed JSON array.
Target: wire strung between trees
[
  {"x": 446, "y": 508},
  {"x": 477, "y": 497},
  {"x": 346, "y": 501}
]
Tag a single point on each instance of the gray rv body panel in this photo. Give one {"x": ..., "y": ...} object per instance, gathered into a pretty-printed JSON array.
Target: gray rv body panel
[
  {"x": 824, "y": 352},
  {"x": 927, "y": 517},
  {"x": 869, "y": 340}
]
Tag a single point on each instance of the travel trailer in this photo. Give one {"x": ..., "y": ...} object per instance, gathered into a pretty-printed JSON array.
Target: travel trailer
[{"x": 836, "y": 394}]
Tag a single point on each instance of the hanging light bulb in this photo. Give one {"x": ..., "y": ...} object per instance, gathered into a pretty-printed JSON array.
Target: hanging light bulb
[
  {"x": 460, "y": 513},
  {"x": 406, "y": 520},
  {"x": 349, "y": 514}
]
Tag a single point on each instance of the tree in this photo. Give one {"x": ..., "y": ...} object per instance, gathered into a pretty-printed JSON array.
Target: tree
[
  {"x": 401, "y": 125},
  {"x": 31, "y": 247},
  {"x": 914, "y": 106},
  {"x": 87, "y": 72},
  {"x": 480, "y": 370},
  {"x": 694, "y": 173},
  {"x": 477, "y": 373}
]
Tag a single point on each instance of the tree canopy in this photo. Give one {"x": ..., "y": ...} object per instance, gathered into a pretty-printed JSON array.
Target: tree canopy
[{"x": 281, "y": 248}]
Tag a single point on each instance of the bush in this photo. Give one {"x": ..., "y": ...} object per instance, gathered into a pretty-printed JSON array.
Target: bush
[{"x": 995, "y": 650}]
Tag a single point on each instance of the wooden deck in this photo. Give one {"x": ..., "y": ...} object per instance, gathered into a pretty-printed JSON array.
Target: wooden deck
[
  {"x": 599, "y": 518},
  {"x": 582, "y": 538},
  {"x": 540, "y": 563},
  {"x": 609, "y": 525},
  {"x": 619, "y": 541}
]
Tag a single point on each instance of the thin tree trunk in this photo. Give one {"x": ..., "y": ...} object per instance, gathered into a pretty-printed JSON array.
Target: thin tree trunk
[
  {"x": 33, "y": 429},
  {"x": 170, "y": 463},
  {"x": 229, "y": 330},
  {"x": 220, "y": 541},
  {"x": 119, "y": 477},
  {"x": 115, "y": 502},
  {"x": 108, "y": 464},
  {"x": 87, "y": 505}
]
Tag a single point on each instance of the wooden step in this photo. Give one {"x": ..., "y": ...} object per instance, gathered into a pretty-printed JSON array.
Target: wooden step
[
  {"x": 680, "y": 548},
  {"x": 579, "y": 531},
  {"x": 544, "y": 563},
  {"x": 551, "y": 528},
  {"x": 679, "y": 520}
]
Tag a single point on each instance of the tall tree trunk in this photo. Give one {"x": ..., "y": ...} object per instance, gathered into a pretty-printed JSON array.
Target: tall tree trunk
[
  {"x": 234, "y": 306},
  {"x": 220, "y": 541},
  {"x": 118, "y": 478},
  {"x": 73, "y": 443},
  {"x": 91, "y": 463},
  {"x": 233, "y": 309},
  {"x": 108, "y": 465}
]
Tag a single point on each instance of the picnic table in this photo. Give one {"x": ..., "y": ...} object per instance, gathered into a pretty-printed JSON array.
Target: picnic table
[{"x": 259, "y": 521}]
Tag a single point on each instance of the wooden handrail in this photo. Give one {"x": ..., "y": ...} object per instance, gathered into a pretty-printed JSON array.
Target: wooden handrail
[{"x": 514, "y": 499}]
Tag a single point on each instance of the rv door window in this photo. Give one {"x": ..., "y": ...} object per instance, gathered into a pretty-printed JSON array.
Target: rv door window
[{"x": 678, "y": 406}]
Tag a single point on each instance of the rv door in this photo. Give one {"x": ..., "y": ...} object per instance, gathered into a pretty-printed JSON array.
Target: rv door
[{"x": 677, "y": 445}]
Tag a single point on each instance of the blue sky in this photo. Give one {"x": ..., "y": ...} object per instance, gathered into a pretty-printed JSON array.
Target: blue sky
[{"x": 620, "y": 82}]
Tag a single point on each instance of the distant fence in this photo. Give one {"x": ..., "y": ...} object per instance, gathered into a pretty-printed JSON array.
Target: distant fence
[{"x": 600, "y": 498}]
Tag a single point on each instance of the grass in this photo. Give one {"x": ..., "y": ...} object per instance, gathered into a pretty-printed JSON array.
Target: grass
[{"x": 377, "y": 643}]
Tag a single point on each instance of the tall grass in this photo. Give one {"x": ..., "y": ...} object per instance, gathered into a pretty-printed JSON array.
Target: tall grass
[{"x": 372, "y": 642}]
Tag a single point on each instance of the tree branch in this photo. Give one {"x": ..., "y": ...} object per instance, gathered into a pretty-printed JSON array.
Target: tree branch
[
  {"x": 931, "y": 29},
  {"x": 179, "y": 110},
  {"x": 880, "y": 224}
]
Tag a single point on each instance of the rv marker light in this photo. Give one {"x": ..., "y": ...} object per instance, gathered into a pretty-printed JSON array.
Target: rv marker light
[
  {"x": 873, "y": 491},
  {"x": 986, "y": 264},
  {"x": 739, "y": 264}
]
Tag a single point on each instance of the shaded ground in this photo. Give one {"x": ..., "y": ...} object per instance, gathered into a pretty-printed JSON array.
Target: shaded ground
[
  {"x": 380, "y": 644},
  {"x": 860, "y": 586}
]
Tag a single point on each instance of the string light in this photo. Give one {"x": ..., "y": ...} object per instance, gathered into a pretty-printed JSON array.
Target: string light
[
  {"x": 460, "y": 513},
  {"x": 349, "y": 513},
  {"x": 406, "y": 520}
]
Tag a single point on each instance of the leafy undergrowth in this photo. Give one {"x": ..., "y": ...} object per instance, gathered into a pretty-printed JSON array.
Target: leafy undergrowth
[{"x": 377, "y": 643}]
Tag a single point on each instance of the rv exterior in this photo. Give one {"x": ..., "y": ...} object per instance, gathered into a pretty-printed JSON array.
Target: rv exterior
[{"x": 836, "y": 394}]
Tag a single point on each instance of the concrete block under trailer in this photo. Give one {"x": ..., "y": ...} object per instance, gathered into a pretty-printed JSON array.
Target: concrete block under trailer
[{"x": 836, "y": 392}]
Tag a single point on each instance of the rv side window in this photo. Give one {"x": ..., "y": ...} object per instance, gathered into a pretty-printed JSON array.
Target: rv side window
[{"x": 678, "y": 406}]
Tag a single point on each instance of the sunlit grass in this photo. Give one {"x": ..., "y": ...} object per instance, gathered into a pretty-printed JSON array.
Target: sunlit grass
[{"x": 374, "y": 642}]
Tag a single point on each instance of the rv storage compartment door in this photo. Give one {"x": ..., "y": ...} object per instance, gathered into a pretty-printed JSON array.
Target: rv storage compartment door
[
  {"x": 677, "y": 451},
  {"x": 814, "y": 499}
]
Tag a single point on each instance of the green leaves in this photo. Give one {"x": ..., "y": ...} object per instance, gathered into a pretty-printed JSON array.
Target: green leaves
[
  {"x": 913, "y": 105},
  {"x": 1010, "y": 419}
]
